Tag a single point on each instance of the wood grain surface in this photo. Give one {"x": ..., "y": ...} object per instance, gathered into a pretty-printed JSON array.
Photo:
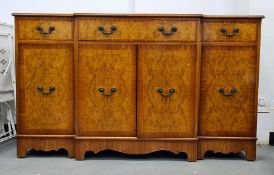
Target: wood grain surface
[
  {"x": 166, "y": 66},
  {"x": 228, "y": 67},
  {"x": 27, "y": 28},
  {"x": 45, "y": 66},
  {"x": 248, "y": 30},
  {"x": 107, "y": 66},
  {"x": 137, "y": 59},
  {"x": 136, "y": 147},
  {"x": 137, "y": 29}
]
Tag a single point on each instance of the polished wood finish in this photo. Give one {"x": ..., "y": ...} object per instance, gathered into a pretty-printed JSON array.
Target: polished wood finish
[
  {"x": 45, "y": 66},
  {"x": 107, "y": 66},
  {"x": 140, "y": 15},
  {"x": 27, "y": 28},
  {"x": 24, "y": 144},
  {"x": 160, "y": 66},
  {"x": 202, "y": 55},
  {"x": 248, "y": 30},
  {"x": 137, "y": 29},
  {"x": 44, "y": 121},
  {"x": 228, "y": 67},
  {"x": 137, "y": 146},
  {"x": 226, "y": 123},
  {"x": 227, "y": 145}
]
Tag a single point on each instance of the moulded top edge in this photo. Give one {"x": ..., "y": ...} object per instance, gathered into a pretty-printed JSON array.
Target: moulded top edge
[
  {"x": 107, "y": 14},
  {"x": 234, "y": 16},
  {"x": 140, "y": 15},
  {"x": 43, "y": 14},
  {"x": 137, "y": 15}
]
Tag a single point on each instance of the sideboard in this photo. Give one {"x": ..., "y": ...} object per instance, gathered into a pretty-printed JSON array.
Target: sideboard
[{"x": 137, "y": 83}]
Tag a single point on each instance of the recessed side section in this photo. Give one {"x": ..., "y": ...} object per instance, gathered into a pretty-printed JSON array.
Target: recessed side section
[
  {"x": 45, "y": 28},
  {"x": 45, "y": 89},
  {"x": 24, "y": 144},
  {"x": 230, "y": 30},
  {"x": 227, "y": 145},
  {"x": 228, "y": 84}
]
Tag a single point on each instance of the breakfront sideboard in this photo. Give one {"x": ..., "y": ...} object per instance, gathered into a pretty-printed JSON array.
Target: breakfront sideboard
[{"x": 137, "y": 83}]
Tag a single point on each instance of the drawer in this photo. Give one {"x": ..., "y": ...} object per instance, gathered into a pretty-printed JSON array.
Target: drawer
[
  {"x": 45, "y": 28},
  {"x": 229, "y": 31},
  {"x": 124, "y": 29}
]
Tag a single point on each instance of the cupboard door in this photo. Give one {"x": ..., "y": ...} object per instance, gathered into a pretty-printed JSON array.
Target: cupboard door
[
  {"x": 166, "y": 91},
  {"x": 45, "y": 80},
  {"x": 107, "y": 103},
  {"x": 228, "y": 91}
]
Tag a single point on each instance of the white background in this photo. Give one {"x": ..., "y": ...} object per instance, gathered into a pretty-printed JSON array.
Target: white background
[{"x": 213, "y": 7}]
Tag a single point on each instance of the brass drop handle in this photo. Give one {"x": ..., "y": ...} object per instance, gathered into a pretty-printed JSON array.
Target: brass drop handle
[
  {"x": 170, "y": 92},
  {"x": 41, "y": 30},
  {"x": 229, "y": 34},
  {"x": 41, "y": 90},
  {"x": 112, "y": 91},
  {"x": 102, "y": 30},
  {"x": 232, "y": 92},
  {"x": 164, "y": 32}
]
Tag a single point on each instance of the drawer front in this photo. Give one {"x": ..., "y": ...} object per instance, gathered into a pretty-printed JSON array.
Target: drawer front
[
  {"x": 41, "y": 28},
  {"x": 107, "y": 103},
  {"x": 121, "y": 29},
  {"x": 45, "y": 89},
  {"x": 228, "y": 86},
  {"x": 166, "y": 91},
  {"x": 229, "y": 31}
]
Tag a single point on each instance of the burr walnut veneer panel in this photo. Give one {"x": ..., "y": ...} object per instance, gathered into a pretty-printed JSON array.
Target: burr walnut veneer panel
[
  {"x": 166, "y": 67},
  {"x": 137, "y": 83},
  {"x": 45, "y": 66},
  {"x": 138, "y": 29},
  {"x": 228, "y": 67},
  {"x": 107, "y": 67},
  {"x": 62, "y": 28},
  {"x": 236, "y": 30}
]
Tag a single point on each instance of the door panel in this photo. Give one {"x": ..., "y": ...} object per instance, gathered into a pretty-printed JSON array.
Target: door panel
[
  {"x": 166, "y": 67},
  {"x": 107, "y": 113},
  {"x": 45, "y": 66},
  {"x": 228, "y": 113}
]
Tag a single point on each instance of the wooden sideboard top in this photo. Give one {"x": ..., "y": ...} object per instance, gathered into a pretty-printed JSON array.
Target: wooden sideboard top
[{"x": 137, "y": 15}]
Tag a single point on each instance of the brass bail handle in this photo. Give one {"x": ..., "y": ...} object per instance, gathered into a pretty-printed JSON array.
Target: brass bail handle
[
  {"x": 170, "y": 92},
  {"x": 102, "y": 30},
  {"x": 234, "y": 32},
  {"x": 41, "y": 90},
  {"x": 41, "y": 30},
  {"x": 228, "y": 94},
  {"x": 112, "y": 91},
  {"x": 166, "y": 33}
]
